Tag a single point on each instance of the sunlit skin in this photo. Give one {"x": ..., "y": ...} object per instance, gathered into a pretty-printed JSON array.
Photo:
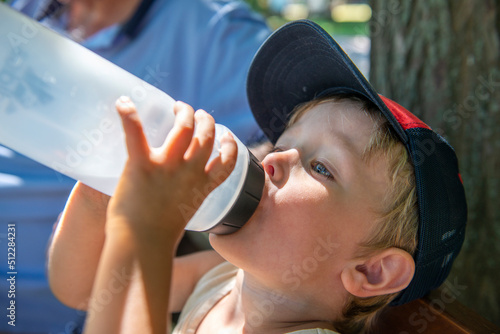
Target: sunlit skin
[
  {"x": 318, "y": 191},
  {"x": 298, "y": 254}
]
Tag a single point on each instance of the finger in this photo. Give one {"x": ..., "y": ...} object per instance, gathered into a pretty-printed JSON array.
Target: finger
[
  {"x": 179, "y": 138},
  {"x": 137, "y": 145},
  {"x": 219, "y": 168},
  {"x": 202, "y": 144}
]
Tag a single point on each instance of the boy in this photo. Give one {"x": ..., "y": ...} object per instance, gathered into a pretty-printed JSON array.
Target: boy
[{"x": 363, "y": 206}]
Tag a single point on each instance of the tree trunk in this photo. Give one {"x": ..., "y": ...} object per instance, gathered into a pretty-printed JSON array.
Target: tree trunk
[{"x": 440, "y": 59}]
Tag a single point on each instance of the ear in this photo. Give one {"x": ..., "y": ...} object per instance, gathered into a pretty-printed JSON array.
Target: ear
[{"x": 383, "y": 273}]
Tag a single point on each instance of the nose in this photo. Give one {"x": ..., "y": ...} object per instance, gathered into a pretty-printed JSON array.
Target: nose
[{"x": 278, "y": 165}]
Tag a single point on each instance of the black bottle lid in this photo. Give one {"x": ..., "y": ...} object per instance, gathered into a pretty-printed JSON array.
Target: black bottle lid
[{"x": 247, "y": 201}]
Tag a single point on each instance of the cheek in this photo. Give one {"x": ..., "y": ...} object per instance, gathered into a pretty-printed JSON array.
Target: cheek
[
  {"x": 303, "y": 206},
  {"x": 295, "y": 224},
  {"x": 284, "y": 228},
  {"x": 313, "y": 218}
]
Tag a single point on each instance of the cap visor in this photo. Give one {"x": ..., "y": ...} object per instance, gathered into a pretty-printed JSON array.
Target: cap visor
[{"x": 298, "y": 62}]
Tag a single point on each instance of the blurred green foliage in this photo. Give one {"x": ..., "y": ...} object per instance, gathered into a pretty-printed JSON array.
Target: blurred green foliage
[
  {"x": 276, "y": 20},
  {"x": 324, "y": 19}
]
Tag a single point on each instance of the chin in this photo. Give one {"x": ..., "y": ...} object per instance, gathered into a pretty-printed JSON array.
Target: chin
[
  {"x": 237, "y": 246},
  {"x": 221, "y": 241},
  {"x": 226, "y": 246}
]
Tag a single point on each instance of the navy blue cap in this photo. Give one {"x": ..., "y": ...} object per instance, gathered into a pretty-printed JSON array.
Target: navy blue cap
[{"x": 300, "y": 62}]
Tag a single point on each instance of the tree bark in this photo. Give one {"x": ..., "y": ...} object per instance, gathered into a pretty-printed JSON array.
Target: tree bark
[{"x": 440, "y": 59}]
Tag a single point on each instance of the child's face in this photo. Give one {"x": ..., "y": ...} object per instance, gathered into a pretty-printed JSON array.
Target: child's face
[{"x": 320, "y": 200}]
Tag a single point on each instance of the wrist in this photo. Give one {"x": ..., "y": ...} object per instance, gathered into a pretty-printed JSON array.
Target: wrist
[{"x": 143, "y": 235}]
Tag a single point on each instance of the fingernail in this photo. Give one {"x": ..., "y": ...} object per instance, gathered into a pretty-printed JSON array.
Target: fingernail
[
  {"x": 226, "y": 137},
  {"x": 125, "y": 103},
  {"x": 124, "y": 99}
]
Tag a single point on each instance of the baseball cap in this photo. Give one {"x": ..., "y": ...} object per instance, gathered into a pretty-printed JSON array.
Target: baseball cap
[{"x": 299, "y": 62}]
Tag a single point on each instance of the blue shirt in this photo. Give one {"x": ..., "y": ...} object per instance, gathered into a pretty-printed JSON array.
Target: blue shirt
[{"x": 197, "y": 51}]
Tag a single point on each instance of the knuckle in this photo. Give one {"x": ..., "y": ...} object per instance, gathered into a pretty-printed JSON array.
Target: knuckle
[
  {"x": 185, "y": 125},
  {"x": 202, "y": 115}
]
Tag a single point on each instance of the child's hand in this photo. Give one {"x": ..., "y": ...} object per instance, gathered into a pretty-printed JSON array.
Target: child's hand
[{"x": 157, "y": 182}]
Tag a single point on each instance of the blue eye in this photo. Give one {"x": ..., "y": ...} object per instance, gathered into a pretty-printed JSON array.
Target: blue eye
[{"x": 319, "y": 168}]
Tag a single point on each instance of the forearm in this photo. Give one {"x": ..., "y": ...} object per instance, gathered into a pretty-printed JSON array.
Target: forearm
[
  {"x": 155, "y": 255},
  {"x": 74, "y": 253},
  {"x": 140, "y": 302},
  {"x": 107, "y": 301}
]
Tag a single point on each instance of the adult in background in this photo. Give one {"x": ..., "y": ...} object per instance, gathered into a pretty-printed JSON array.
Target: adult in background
[{"x": 197, "y": 51}]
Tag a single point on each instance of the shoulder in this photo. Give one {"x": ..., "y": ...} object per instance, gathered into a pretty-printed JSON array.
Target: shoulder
[
  {"x": 221, "y": 7},
  {"x": 211, "y": 13}
]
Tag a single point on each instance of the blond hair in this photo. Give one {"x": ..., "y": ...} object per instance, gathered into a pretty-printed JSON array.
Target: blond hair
[{"x": 398, "y": 222}]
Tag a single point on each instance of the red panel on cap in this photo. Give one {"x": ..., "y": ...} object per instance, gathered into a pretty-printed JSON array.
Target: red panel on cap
[{"x": 403, "y": 116}]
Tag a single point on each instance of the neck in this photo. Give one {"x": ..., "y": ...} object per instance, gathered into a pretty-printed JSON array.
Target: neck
[
  {"x": 255, "y": 308},
  {"x": 87, "y": 17}
]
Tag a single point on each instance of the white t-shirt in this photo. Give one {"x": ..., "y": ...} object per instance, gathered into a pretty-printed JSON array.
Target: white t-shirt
[{"x": 212, "y": 287}]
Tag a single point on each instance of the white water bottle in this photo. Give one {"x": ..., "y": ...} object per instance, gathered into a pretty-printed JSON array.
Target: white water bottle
[{"x": 57, "y": 107}]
